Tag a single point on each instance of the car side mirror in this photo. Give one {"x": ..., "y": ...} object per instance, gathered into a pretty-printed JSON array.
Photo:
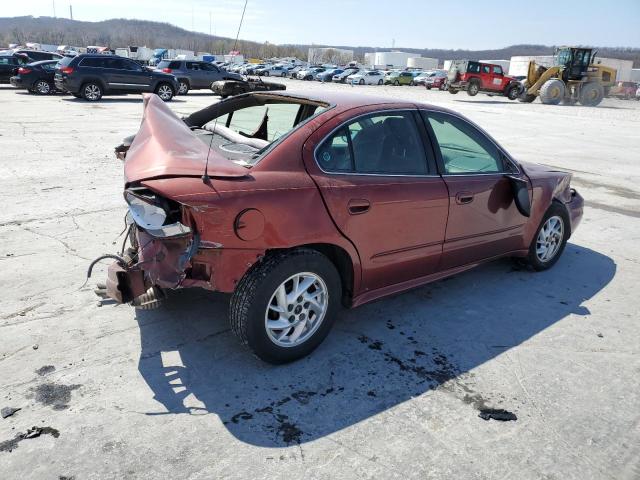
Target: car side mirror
[{"x": 520, "y": 190}]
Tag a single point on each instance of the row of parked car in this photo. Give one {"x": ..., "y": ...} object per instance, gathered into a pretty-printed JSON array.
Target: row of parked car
[{"x": 90, "y": 76}]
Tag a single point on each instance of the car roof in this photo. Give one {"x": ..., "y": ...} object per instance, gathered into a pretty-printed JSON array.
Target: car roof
[
  {"x": 43, "y": 62},
  {"x": 347, "y": 100}
]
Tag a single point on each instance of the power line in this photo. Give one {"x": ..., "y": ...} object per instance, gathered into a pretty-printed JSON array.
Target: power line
[{"x": 235, "y": 44}]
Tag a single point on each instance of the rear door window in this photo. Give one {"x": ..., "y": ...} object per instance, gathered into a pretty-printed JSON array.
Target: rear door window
[
  {"x": 94, "y": 62},
  {"x": 382, "y": 143}
]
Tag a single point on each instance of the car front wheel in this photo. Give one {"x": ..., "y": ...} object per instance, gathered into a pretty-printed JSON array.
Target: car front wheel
[
  {"x": 164, "y": 91},
  {"x": 550, "y": 239},
  {"x": 284, "y": 307}
]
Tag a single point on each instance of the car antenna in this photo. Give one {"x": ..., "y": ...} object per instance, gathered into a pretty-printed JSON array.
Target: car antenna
[{"x": 205, "y": 177}]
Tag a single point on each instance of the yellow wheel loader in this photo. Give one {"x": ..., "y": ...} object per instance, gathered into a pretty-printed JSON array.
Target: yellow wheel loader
[{"x": 575, "y": 77}]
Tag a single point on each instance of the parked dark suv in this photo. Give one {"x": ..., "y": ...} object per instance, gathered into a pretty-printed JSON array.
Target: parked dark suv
[
  {"x": 9, "y": 65},
  {"x": 90, "y": 76},
  {"x": 193, "y": 75}
]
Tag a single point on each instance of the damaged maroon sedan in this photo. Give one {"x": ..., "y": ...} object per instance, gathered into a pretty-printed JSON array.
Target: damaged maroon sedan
[{"x": 297, "y": 205}]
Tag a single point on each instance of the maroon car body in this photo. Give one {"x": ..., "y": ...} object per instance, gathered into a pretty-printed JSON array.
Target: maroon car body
[{"x": 382, "y": 232}]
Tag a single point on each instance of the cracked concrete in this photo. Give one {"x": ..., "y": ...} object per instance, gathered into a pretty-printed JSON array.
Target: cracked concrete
[{"x": 394, "y": 391}]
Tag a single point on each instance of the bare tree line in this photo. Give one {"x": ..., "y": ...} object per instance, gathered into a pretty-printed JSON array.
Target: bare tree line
[{"x": 122, "y": 32}]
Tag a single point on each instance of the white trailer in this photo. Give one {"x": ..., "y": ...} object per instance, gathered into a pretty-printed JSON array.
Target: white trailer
[
  {"x": 503, "y": 63},
  {"x": 425, "y": 63}
]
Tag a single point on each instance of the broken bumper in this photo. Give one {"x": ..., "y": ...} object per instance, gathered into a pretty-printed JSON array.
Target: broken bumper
[{"x": 161, "y": 259}]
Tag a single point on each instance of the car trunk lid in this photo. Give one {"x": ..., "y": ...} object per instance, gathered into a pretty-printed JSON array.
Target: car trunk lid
[{"x": 166, "y": 147}]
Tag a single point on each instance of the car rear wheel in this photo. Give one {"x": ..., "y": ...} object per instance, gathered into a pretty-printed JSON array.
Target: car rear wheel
[
  {"x": 443, "y": 86},
  {"x": 43, "y": 87},
  {"x": 428, "y": 87},
  {"x": 361, "y": 82},
  {"x": 284, "y": 307},
  {"x": 474, "y": 88},
  {"x": 396, "y": 83},
  {"x": 550, "y": 239},
  {"x": 91, "y": 92},
  {"x": 453, "y": 91},
  {"x": 380, "y": 82},
  {"x": 183, "y": 87},
  {"x": 164, "y": 91}
]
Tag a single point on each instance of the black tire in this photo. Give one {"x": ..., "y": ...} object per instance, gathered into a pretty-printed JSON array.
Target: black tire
[
  {"x": 512, "y": 91},
  {"x": 555, "y": 210},
  {"x": 42, "y": 87},
  {"x": 473, "y": 88},
  {"x": 183, "y": 87},
  {"x": 412, "y": 83},
  {"x": 361, "y": 82},
  {"x": 453, "y": 91},
  {"x": 443, "y": 86},
  {"x": 428, "y": 87},
  {"x": 591, "y": 94},
  {"x": 552, "y": 91},
  {"x": 396, "y": 83},
  {"x": 380, "y": 82},
  {"x": 266, "y": 74},
  {"x": 254, "y": 292},
  {"x": 91, "y": 92},
  {"x": 165, "y": 91}
]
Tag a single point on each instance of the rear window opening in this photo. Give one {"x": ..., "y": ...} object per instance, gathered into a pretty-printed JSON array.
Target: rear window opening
[{"x": 244, "y": 128}]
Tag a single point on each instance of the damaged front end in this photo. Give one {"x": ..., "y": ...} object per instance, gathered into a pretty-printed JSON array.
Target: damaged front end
[{"x": 162, "y": 245}]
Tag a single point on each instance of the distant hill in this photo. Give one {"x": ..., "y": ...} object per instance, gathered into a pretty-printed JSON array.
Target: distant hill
[{"x": 119, "y": 32}]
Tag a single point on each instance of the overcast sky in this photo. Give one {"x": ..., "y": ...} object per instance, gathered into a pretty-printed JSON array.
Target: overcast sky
[{"x": 408, "y": 23}]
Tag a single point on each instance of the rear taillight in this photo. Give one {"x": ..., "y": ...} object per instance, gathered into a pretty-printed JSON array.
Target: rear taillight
[
  {"x": 67, "y": 70},
  {"x": 23, "y": 71},
  {"x": 167, "y": 70}
]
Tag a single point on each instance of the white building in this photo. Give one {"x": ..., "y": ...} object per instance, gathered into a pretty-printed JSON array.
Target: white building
[
  {"x": 393, "y": 59},
  {"x": 336, "y": 56},
  {"x": 424, "y": 63},
  {"x": 520, "y": 65}
]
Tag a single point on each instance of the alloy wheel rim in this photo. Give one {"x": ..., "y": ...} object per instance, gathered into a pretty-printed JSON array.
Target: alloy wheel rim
[
  {"x": 91, "y": 92},
  {"x": 473, "y": 88},
  {"x": 43, "y": 87},
  {"x": 164, "y": 92},
  {"x": 296, "y": 309},
  {"x": 183, "y": 87},
  {"x": 549, "y": 239}
]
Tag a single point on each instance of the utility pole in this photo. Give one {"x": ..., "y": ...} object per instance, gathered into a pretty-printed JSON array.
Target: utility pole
[
  {"x": 70, "y": 12},
  {"x": 209, "y": 22},
  {"x": 54, "y": 8}
]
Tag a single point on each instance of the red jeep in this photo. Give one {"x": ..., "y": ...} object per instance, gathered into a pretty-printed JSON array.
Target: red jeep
[{"x": 475, "y": 77}]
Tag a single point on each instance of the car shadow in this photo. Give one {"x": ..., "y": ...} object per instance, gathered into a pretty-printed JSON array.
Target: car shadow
[
  {"x": 489, "y": 102},
  {"x": 377, "y": 356},
  {"x": 122, "y": 99}
]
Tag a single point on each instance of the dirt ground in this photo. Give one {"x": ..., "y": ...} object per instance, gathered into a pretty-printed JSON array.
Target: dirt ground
[{"x": 393, "y": 392}]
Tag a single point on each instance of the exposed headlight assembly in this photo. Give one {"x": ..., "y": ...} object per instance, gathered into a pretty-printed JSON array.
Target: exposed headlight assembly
[
  {"x": 150, "y": 213},
  {"x": 144, "y": 212}
]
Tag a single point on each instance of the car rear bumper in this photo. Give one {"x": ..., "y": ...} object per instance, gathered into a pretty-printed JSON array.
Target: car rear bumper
[
  {"x": 459, "y": 85},
  {"x": 17, "y": 82},
  {"x": 576, "y": 209},
  {"x": 160, "y": 261}
]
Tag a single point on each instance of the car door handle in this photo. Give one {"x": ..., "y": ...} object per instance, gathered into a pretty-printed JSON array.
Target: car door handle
[
  {"x": 358, "y": 206},
  {"x": 463, "y": 198}
]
